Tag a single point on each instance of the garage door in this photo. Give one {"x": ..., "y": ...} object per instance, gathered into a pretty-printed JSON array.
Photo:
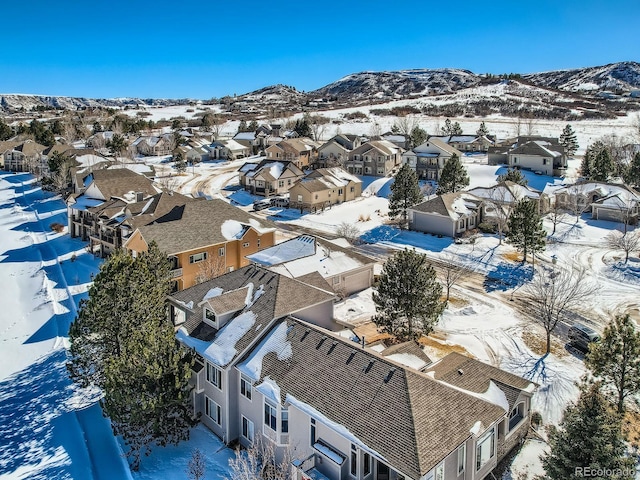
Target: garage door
[{"x": 358, "y": 281}]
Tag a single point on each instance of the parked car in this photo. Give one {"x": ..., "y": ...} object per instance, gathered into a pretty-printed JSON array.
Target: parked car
[
  {"x": 280, "y": 202},
  {"x": 581, "y": 336},
  {"x": 261, "y": 204}
]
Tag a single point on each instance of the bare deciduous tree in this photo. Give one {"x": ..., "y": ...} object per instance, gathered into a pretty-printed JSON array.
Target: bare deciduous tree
[
  {"x": 349, "y": 231},
  {"x": 627, "y": 242},
  {"x": 196, "y": 467},
  {"x": 404, "y": 125},
  {"x": 212, "y": 267},
  {"x": 557, "y": 215},
  {"x": 260, "y": 462},
  {"x": 553, "y": 292},
  {"x": 452, "y": 272}
]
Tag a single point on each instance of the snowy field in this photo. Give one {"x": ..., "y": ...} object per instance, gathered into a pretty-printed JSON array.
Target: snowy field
[{"x": 49, "y": 428}]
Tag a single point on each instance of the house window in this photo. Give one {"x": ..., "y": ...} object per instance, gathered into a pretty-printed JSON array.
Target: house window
[
  {"x": 380, "y": 171},
  {"x": 366, "y": 464},
  {"x": 313, "y": 431},
  {"x": 245, "y": 244},
  {"x": 221, "y": 252},
  {"x": 258, "y": 242},
  {"x": 516, "y": 415},
  {"x": 544, "y": 161},
  {"x": 247, "y": 429},
  {"x": 300, "y": 198},
  {"x": 212, "y": 409},
  {"x": 197, "y": 257},
  {"x": 353, "y": 467},
  {"x": 462, "y": 458},
  {"x": 485, "y": 449},
  {"x": 270, "y": 416},
  {"x": 214, "y": 376},
  {"x": 289, "y": 181},
  {"x": 440, "y": 472},
  {"x": 245, "y": 388},
  {"x": 179, "y": 316},
  {"x": 339, "y": 191},
  {"x": 284, "y": 420},
  {"x": 316, "y": 196},
  {"x": 352, "y": 189},
  {"x": 209, "y": 315},
  {"x": 281, "y": 183},
  {"x": 367, "y": 170},
  {"x": 515, "y": 159}
]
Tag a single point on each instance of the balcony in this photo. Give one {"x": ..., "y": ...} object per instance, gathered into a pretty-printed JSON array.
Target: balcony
[{"x": 176, "y": 272}]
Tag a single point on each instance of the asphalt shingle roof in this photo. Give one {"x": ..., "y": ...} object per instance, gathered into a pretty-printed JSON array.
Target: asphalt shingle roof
[{"x": 410, "y": 419}]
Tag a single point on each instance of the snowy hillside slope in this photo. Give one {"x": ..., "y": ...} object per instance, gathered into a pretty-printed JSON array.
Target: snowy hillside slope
[
  {"x": 403, "y": 83},
  {"x": 28, "y": 102},
  {"x": 617, "y": 77}
]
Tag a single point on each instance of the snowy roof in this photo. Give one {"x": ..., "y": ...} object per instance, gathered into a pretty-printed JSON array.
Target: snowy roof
[
  {"x": 505, "y": 192},
  {"x": 454, "y": 205},
  {"x": 83, "y": 202},
  {"x": 299, "y": 247}
]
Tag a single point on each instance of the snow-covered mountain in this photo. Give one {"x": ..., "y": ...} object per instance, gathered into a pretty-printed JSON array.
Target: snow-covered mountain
[
  {"x": 29, "y": 102},
  {"x": 399, "y": 84},
  {"x": 618, "y": 77}
]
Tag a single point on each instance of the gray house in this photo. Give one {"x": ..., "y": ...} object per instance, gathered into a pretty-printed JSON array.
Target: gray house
[
  {"x": 345, "y": 412},
  {"x": 225, "y": 318},
  {"x": 449, "y": 215}
]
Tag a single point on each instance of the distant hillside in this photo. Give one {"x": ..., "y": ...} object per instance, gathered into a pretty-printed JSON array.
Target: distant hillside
[
  {"x": 15, "y": 102},
  {"x": 618, "y": 77},
  {"x": 400, "y": 84}
]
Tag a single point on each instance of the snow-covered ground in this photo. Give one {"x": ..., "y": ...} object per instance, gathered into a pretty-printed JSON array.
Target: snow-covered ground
[{"x": 50, "y": 429}]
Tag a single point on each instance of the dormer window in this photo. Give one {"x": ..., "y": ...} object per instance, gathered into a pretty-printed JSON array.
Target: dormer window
[{"x": 210, "y": 317}]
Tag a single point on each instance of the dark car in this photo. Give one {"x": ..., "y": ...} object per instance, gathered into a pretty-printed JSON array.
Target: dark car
[{"x": 581, "y": 336}]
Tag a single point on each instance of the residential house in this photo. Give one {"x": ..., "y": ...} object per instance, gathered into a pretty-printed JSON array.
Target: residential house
[
  {"x": 301, "y": 151},
  {"x": 203, "y": 239},
  {"x": 324, "y": 187},
  {"x": 269, "y": 177},
  {"x": 224, "y": 318},
  {"x": 542, "y": 155},
  {"x": 343, "y": 270},
  {"x": 504, "y": 196},
  {"x": 351, "y": 413},
  {"x": 605, "y": 201},
  {"x": 399, "y": 139},
  {"x": 449, "y": 215},
  {"x": 99, "y": 139},
  {"x": 151, "y": 145},
  {"x": 467, "y": 143},
  {"x": 336, "y": 151},
  {"x": 24, "y": 156},
  {"x": 228, "y": 150},
  {"x": 429, "y": 158},
  {"x": 377, "y": 158},
  {"x": 95, "y": 214}
]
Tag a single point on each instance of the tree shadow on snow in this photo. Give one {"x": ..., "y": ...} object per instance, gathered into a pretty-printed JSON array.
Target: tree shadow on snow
[
  {"x": 59, "y": 323},
  {"x": 46, "y": 251},
  {"x": 38, "y": 437},
  {"x": 506, "y": 276}
]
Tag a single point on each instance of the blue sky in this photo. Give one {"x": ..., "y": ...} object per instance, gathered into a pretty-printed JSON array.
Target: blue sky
[{"x": 211, "y": 48}]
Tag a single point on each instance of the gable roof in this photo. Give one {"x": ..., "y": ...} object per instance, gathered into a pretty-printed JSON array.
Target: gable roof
[
  {"x": 538, "y": 148},
  {"x": 439, "y": 145},
  {"x": 452, "y": 205},
  {"x": 199, "y": 224},
  {"x": 278, "y": 297},
  {"x": 475, "y": 376},
  {"x": 401, "y": 415},
  {"x": 506, "y": 192},
  {"x": 269, "y": 169},
  {"x": 117, "y": 182}
]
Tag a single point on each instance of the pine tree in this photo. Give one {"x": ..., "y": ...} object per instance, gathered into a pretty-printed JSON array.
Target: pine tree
[
  {"x": 408, "y": 295},
  {"x": 588, "y": 167},
  {"x": 405, "y": 192},
  {"x": 242, "y": 127},
  {"x": 418, "y": 136},
  {"x": 616, "y": 360},
  {"x": 602, "y": 167},
  {"x": 456, "y": 129},
  {"x": 525, "y": 229},
  {"x": 569, "y": 140},
  {"x": 589, "y": 440},
  {"x": 513, "y": 175},
  {"x": 632, "y": 173},
  {"x": 5, "y": 131},
  {"x": 123, "y": 344},
  {"x": 453, "y": 177},
  {"x": 302, "y": 128},
  {"x": 180, "y": 164},
  {"x": 482, "y": 131},
  {"x": 116, "y": 145}
]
